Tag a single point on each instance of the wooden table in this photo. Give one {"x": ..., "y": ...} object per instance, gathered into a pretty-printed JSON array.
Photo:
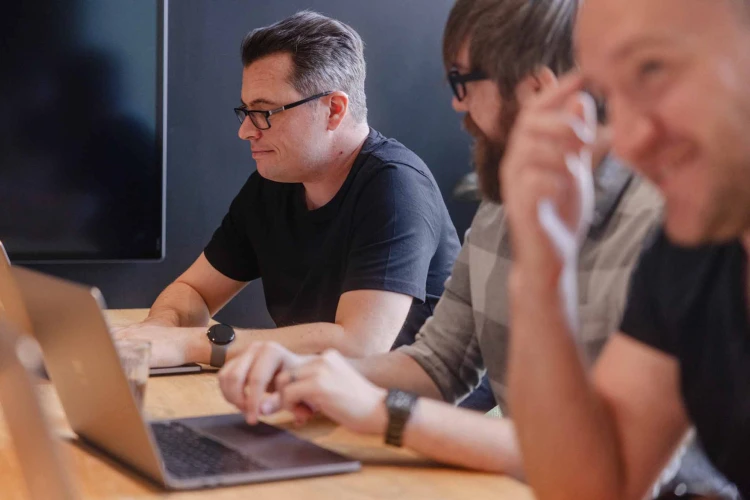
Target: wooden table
[{"x": 386, "y": 472}]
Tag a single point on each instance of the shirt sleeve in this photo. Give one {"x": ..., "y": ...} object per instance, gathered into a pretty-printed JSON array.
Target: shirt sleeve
[
  {"x": 446, "y": 346},
  {"x": 396, "y": 231},
  {"x": 230, "y": 250},
  {"x": 641, "y": 320}
]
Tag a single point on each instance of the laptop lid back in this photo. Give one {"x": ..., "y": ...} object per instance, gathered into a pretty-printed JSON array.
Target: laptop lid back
[
  {"x": 11, "y": 303},
  {"x": 82, "y": 362}
]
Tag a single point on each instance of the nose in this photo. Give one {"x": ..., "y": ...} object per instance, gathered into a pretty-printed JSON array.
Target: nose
[
  {"x": 459, "y": 106},
  {"x": 634, "y": 132},
  {"x": 248, "y": 131}
]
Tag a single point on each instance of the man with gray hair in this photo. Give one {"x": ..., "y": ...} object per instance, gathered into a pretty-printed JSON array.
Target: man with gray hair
[{"x": 347, "y": 228}]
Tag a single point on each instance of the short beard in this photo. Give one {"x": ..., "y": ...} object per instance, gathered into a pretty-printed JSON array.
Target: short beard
[{"x": 487, "y": 154}]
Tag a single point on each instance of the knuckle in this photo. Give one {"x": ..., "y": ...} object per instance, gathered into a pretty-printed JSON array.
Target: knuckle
[
  {"x": 228, "y": 377},
  {"x": 265, "y": 347},
  {"x": 318, "y": 376},
  {"x": 255, "y": 380},
  {"x": 330, "y": 354}
]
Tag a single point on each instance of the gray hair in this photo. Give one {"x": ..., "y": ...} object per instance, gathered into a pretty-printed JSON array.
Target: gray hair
[{"x": 327, "y": 54}]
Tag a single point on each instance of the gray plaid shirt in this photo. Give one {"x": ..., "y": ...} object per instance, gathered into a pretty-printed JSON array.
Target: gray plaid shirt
[{"x": 468, "y": 334}]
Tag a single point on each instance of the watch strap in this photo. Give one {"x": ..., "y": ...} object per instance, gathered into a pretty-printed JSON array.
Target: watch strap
[
  {"x": 219, "y": 346},
  {"x": 218, "y": 355},
  {"x": 400, "y": 405}
]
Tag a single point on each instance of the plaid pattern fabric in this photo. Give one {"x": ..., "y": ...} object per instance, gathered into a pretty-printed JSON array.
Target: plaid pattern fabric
[{"x": 468, "y": 334}]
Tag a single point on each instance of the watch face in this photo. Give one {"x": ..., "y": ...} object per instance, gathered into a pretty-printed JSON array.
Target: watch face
[
  {"x": 221, "y": 334},
  {"x": 400, "y": 403}
]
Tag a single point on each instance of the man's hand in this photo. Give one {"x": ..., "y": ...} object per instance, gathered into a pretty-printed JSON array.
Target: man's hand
[
  {"x": 302, "y": 385},
  {"x": 170, "y": 346},
  {"x": 332, "y": 386},
  {"x": 246, "y": 379},
  {"x": 534, "y": 169}
]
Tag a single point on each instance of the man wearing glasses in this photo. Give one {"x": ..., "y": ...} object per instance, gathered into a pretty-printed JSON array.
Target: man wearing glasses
[
  {"x": 499, "y": 54},
  {"x": 347, "y": 228}
]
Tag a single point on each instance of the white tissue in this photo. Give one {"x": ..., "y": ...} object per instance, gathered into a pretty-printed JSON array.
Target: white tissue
[{"x": 567, "y": 242}]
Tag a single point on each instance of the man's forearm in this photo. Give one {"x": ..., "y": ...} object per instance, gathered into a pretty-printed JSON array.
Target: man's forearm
[
  {"x": 179, "y": 305},
  {"x": 311, "y": 338},
  {"x": 464, "y": 438},
  {"x": 396, "y": 370},
  {"x": 561, "y": 423}
]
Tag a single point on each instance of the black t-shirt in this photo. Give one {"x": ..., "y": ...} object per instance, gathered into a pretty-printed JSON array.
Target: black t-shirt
[
  {"x": 691, "y": 303},
  {"x": 386, "y": 229}
]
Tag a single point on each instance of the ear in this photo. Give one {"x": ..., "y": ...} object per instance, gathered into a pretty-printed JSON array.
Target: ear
[
  {"x": 338, "y": 107},
  {"x": 540, "y": 80}
]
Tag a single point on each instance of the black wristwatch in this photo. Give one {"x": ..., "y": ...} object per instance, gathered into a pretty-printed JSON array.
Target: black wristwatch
[
  {"x": 400, "y": 405},
  {"x": 220, "y": 337}
]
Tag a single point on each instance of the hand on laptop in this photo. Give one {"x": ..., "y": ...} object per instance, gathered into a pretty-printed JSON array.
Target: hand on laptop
[
  {"x": 303, "y": 384},
  {"x": 331, "y": 385},
  {"x": 247, "y": 379},
  {"x": 170, "y": 346}
]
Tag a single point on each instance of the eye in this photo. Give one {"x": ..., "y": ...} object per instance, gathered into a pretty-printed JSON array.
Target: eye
[{"x": 649, "y": 68}]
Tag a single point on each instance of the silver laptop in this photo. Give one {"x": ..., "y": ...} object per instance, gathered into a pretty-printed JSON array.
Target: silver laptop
[
  {"x": 179, "y": 454},
  {"x": 36, "y": 446},
  {"x": 11, "y": 303}
]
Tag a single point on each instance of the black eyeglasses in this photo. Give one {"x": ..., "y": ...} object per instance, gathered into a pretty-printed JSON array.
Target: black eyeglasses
[
  {"x": 458, "y": 81},
  {"x": 261, "y": 118}
]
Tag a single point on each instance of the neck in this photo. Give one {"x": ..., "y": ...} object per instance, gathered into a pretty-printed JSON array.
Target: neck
[{"x": 320, "y": 191}]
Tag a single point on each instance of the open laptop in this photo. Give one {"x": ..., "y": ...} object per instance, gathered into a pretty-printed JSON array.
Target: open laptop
[
  {"x": 37, "y": 449},
  {"x": 179, "y": 454},
  {"x": 11, "y": 303}
]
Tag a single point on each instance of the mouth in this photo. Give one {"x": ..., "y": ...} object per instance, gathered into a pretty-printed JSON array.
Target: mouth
[
  {"x": 260, "y": 153},
  {"x": 665, "y": 168}
]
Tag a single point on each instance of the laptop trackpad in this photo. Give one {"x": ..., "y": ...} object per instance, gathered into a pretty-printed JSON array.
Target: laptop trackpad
[{"x": 268, "y": 445}]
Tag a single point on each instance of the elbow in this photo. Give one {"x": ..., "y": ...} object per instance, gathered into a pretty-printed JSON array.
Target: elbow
[
  {"x": 355, "y": 346},
  {"x": 351, "y": 348}
]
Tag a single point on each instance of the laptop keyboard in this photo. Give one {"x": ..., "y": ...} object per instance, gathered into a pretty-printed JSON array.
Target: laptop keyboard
[{"x": 188, "y": 454}]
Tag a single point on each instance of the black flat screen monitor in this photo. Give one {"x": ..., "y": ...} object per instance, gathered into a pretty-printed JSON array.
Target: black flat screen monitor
[{"x": 82, "y": 113}]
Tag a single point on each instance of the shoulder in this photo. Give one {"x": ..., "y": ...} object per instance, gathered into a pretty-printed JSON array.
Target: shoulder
[
  {"x": 669, "y": 263},
  {"x": 488, "y": 216},
  {"x": 488, "y": 238},
  {"x": 675, "y": 276},
  {"x": 638, "y": 213},
  {"x": 488, "y": 226},
  {"x": 384, "y": 153},
  {"x": 618, "y": 243},
  {"x": 641, "y": 199}
]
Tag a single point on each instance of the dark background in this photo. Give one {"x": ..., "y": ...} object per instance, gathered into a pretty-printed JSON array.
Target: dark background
[
  {"x": 79, "y": 107},
  {"x": 408, "y": 99}
]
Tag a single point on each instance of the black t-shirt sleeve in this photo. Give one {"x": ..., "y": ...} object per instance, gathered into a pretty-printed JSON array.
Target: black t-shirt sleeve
[
  {"x": 642, "y": 320},
  {"x": 230, "y": 250},
  {"x": 395, "y": 233}
]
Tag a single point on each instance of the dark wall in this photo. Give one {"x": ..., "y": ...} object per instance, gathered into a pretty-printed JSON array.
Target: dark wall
[{"x": 207, "y": 163}]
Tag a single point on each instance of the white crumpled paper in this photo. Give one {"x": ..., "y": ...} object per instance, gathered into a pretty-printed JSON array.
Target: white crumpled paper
[{"x": 567, "y": 242}]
